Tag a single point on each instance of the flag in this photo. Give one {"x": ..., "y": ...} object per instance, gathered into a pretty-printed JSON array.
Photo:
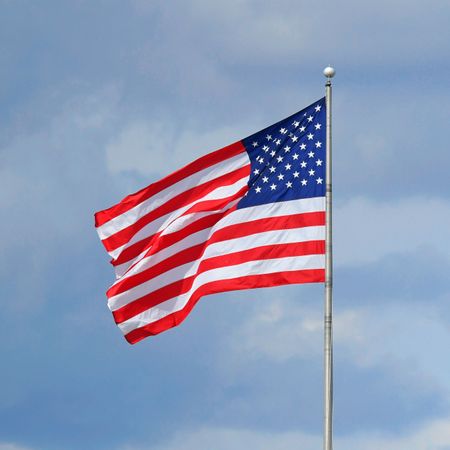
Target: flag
[{"x": 249, "y": 215}]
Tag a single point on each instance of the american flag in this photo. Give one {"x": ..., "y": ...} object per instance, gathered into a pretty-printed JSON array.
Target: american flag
[{"x": 249, "y": 215}]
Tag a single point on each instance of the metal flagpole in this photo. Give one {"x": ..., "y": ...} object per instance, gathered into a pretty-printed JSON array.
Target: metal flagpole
[{"x": 328, "y": 316}]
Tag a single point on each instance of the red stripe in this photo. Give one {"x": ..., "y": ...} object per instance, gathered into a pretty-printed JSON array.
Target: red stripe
[
  {"x": 132, "y": 200},
  {"x": 123, "y": 236},
  {"x": 223, "y": 234},
  {"x": 245, "y": 282},
  {"x": 182, "y": 286}
]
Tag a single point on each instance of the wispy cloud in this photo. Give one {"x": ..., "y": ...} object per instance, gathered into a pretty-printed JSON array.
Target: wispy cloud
[
  {"x": 155, "y": 148},
  {"x": 9, "y": 446},
  {"x": 367, "y": 230},
  {"x": 434, "y": 435}
]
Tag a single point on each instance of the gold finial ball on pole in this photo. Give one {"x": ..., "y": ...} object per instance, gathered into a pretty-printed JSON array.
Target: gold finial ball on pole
[{"x": 329, "y": 72}]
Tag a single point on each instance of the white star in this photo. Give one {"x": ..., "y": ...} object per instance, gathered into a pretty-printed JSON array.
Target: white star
[
  {"x": 296, "y": 174},
  {"x": 287, "y": 149},
  {"x": 280, "y": 159},
  {"x": 302, "y": 146},
  {"x": 311, "y": 154},
  {"x": 296, "y": 124},
  {"x": 319, "y": 180},
  {"x": 310, "y": 136},
  {"x": 258, "y": 190},
  {"x": 272, "y": 169},
  {"x": 302, "y": 129},
  {"x": 255, "y": 144},
  {"x": 311, "y": 172},
  {"x": 317, "y": 126},
  {"x": 269, "y": 137},
  {"x": 265, "y": 179},
  {"x": 281, "y": 176},
  {"x": 283, "y": 131},
  {"x": 266, "y": 148},
  {"x": 289, "y": 184},
  {"x": 310, "y": 118},
  {"x": 294, "y": 138},
  {"x": 278, "y": 141},
  {"x": 295, "y": 156},
  {"x": 288, "y": 166},
  {"x": 256, "y": 172},
  {"x": 273, "y": 186},
  {"x": 317, "y": 108},
  {"x": 318, "y": 144},
  {"x": 261, "y": 160},
  {"x": 304, "y": 182},
  {"x": 303, "y": 164},
  {"x": 272, "y": 153},
  {"x": 319, "y": 162}
]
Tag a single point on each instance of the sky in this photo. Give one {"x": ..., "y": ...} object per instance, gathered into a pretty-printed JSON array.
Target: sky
[{"x": 99, "y": 98}]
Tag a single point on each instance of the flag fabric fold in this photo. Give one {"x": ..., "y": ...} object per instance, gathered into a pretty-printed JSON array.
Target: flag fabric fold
[{"x": 249, "y": 215}]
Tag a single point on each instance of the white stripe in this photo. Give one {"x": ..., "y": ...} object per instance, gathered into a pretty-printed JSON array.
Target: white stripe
[
  {"x": 210, "y": 173},
  {"x": 259, "y": 267},
  {"x": 252, "y": 241},
  {"x": 153, "y": 227},
  {"x": 303, "y": 205}
]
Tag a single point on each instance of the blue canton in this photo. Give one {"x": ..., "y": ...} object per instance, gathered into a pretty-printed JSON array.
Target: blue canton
[{"x": 288, "y": 158}]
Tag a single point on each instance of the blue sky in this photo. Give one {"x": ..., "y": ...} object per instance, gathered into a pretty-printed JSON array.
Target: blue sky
[{"x": 99, "y": 98}]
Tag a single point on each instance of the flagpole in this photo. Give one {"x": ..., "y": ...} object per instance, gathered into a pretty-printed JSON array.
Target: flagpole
[{"x": 329, "y": 73}]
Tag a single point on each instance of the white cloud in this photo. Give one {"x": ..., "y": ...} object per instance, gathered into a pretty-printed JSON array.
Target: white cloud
[
  {"x": 46, "y": 168},
  {"x": 142, "y": 147},
  {"x": 434, "y": 435},
  {"x": 235, "y": 439},
  {"x": 157, "y": 148},
  {"x": 16, "y": 187},
  {"x": 367, "y": 230},
  {"x": 288, "y": 31},
  {"x": 10, "y": 446},
  {"x": 283, "y": 330},
  {"x": 51, "y": 170},
  {"x": 399, "y": 337}
]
